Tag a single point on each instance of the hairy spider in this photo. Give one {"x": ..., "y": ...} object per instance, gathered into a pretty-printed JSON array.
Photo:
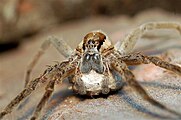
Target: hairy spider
[{"x": 97, "y": 67}]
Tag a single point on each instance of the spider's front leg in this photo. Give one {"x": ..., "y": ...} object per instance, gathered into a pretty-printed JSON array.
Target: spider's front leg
[
  {"x": 130, "y": 40},
  {"x": 121, "y": 67},
  {"x": 59, "y": 44},
  {"x": 105, "y": 84},
  {"x": 137, "y": 58},
  {"x": 44, "y": 99},
  {"x": 60, "y": 72},
  {"x": 26, "y": 92},
  {"x": 56, "y": 73}
]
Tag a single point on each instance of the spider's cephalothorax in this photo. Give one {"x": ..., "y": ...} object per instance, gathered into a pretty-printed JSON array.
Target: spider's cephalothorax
[
  {"x": 91, "y": 57},
  {"x": 96, "y": 67}
]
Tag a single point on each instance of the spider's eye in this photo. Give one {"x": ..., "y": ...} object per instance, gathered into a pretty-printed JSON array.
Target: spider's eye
[{"x": 91, "y": 42}]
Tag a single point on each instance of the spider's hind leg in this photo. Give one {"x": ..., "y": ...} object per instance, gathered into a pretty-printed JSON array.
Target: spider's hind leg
[
  {"x": 130, "y": 40},
  {"x": 59, "y": 44},
  {"x": 137, "y": 58},
  {"x": 121, "y": 67}
]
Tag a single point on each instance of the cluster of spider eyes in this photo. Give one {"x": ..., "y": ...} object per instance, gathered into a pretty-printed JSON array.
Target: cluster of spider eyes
[{"x": 92, "y": 43}]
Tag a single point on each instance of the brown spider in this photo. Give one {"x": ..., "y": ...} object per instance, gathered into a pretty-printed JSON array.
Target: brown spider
[{"x": 97, "y": 67}]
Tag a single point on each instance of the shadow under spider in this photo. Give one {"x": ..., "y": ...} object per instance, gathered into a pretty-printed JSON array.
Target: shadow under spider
[
  {"x": 61, "y": 95},
  {"x": 140, "y": 107},
  {"x": 160, "y": 85}
]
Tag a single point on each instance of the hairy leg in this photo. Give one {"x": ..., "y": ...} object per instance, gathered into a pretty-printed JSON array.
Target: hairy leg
[
  {"x": 46, "y": 96},
  {"x": 26, "y": 92},
  {"x": 59, "y": 71},
  {"x": 121, "y": 67},
  {"x": 59, "y": 44},
  {"x": 105, "y": 84},
  {"x": 137, "y": 58},
  {"x": 130, "y": 40}
]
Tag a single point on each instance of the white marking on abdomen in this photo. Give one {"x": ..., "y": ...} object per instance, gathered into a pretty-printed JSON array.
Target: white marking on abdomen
[{"x": 92, "y": 80}]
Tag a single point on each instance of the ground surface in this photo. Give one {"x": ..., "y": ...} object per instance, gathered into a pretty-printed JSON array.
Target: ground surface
[{"x": 164, "y": 86}]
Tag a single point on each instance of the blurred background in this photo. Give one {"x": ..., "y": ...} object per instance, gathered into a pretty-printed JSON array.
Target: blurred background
[
  {"x": 25, "y": 24},
  {"x": 26, "y": 18}
]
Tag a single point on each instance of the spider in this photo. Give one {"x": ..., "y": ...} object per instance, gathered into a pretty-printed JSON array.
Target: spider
[{"x": 97, "y": 67}]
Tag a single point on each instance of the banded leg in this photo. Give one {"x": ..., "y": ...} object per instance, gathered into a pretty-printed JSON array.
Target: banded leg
[
  {"x": 59, "y": 44},
  {"x": 138, "y": 58},
  {"x": 105, "y": 84},
  {"x": 130, "y": 40},
  {"x": 130, "y": 79},
  {"x": 26, "y": 92},
  {"x": 57, "y": 74},
  {"x": 45, "y": 98},
  {"x": 58, "y": 71}
]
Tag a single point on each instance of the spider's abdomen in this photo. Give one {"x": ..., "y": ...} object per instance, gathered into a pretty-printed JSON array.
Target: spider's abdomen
[{"x": 92, "y": 83}]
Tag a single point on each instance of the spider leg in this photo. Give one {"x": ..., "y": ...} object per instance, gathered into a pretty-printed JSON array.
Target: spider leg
[
  {"x": 138, "y": 58},
  {"x": 58, "y": 72},
  {"x": 130, "y": 40},
  {"x": 105, "y": 83},
  {"x": 44, "y": 99},
  {"x": 59, "y": 44},
  {"x": 121, "y": 67},
  {"x": 26, "y": 92}
]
